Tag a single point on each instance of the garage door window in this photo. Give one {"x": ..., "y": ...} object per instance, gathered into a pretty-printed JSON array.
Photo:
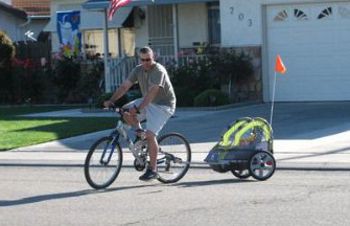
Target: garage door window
[
  {"x": 281, "y": 16},
  {"x": 326, "y": 13},
  {"x": 300, "y": 15}
]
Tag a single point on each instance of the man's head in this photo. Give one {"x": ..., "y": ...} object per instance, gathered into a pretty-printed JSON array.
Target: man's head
[{"x": 147, "y": 57}]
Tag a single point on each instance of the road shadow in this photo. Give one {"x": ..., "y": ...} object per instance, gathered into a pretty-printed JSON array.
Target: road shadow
[
  {"x": 65, "y": 195},
  {"x": 211, "y": 182},
  {"x": 86, "y": 192}
]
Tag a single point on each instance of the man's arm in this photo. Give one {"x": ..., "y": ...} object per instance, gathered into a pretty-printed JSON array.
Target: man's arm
[{"x": 126, "y": 85}]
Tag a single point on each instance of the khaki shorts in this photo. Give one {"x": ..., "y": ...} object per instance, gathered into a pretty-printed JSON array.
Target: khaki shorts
[{"x": 156, "y": 115}]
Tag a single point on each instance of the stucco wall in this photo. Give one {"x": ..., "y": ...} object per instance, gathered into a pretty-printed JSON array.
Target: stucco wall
[
  {"x": 193, "y": 24},
  {"x": 242, "y": 23},
  {"x": 10, "y": 25}
]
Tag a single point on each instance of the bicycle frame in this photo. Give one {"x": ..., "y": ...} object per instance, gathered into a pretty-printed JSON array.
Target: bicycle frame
[{"x": 121, "y": 130}]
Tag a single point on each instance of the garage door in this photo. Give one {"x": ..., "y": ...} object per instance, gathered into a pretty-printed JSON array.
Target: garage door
[{"x": 314, "y": 42}]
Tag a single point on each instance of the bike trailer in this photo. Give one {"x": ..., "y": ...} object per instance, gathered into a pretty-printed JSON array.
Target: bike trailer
[{"x": 239, "y": 143}]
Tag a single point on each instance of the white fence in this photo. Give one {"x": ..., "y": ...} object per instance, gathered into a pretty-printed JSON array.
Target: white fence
[{"x": 119, "y": 70}]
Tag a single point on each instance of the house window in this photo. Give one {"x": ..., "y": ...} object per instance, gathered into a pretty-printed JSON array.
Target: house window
[
  {"x": 214, "y": 25},
  {"x": 93, "y": 40},
  {"x": 93, "y": 43}
]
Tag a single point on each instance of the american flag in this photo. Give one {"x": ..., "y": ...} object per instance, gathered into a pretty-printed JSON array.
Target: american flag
[{"x": 115, "y": 5}]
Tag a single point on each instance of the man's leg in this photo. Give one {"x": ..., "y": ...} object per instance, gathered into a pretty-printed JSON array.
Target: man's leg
[
  {"x": 156, "y": 119},
  {"x": 132, "y": 120},
  {"x": 153, "y": 149},
  {"x": 151, "y": 172}
]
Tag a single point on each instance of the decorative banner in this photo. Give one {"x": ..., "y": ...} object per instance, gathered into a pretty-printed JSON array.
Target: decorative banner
[{"x": 68, "y": 23}]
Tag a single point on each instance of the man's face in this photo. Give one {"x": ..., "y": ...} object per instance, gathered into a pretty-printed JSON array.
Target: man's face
[{"x": 146, "y": 60}]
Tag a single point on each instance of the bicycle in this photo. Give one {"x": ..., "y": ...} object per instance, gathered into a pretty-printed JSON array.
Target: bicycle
[{"x": 104, "y": 159}]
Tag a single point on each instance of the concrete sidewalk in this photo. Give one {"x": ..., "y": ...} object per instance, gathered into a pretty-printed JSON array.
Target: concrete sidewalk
[{"x": 323, "y": 148}]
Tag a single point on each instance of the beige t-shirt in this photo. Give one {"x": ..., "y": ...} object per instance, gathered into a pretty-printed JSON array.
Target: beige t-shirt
[{"x": 156, "y": 76}]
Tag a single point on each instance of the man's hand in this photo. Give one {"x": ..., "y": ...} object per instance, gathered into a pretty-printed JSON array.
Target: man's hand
[
  {"x": 133, "y": 110},
  {"x": 108, "y": 103}
]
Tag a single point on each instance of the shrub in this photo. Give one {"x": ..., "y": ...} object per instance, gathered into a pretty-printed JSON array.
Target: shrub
[
  {"x": 66, "y": 77},
  {"x": 211, "y": 97},
  {"x": 89, "y": 84},
  {"x": 231, "y": 66},
  {"x": 7, "y": 50},
  {"x": 29, "y": 81},
  {"x": 191, "y": 79}
]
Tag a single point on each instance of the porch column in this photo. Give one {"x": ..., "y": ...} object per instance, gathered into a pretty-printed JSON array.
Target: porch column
[
  {"x": 106, "y": 52},
  {"x": 175, "y": 31}
]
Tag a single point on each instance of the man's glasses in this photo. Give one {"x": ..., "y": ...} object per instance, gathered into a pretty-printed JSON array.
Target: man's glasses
[{"x": 146, "y": 60}]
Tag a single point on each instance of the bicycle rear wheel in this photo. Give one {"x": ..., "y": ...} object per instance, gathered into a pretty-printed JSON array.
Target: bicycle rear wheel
[
  {"x": 103, "y": 163},
  {"x": 174, "y": 157}
]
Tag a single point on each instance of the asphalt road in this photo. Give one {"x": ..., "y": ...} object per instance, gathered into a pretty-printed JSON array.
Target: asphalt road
[{"x": 60, "y": 196}]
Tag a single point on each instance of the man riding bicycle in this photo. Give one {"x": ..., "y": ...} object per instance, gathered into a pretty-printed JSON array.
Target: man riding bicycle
[{"x": 157, "y": 104}]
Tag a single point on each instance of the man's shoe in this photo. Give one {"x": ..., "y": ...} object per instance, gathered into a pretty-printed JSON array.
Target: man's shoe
[{"x": 149, "y": 175}]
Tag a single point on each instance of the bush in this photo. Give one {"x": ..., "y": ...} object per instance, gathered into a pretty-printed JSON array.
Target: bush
[
  {"x": 192, "y": 79},
  {"x": 88, "y": 88},
  {"x": 29, "y": 81},
  {"x": 211, "y": 97},
  {"x": 231, "y": 66},
  {"x": 221, "y": 67},
  {"x": 7, "y": 50},
  {"x": 66, "y": 77}
]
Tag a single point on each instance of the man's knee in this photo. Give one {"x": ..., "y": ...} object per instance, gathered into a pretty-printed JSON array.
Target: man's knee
[
  {"x": 130, "y": 119},
  {"x": 150, "y": 134}
]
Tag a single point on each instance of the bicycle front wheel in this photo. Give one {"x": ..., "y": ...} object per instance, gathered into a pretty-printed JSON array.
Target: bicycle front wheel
[
  {"x": 174, "y": 157},
  {"x": 103, "y": 163}
]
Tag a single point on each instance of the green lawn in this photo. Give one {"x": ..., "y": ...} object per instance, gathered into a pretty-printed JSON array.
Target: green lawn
[
  {"x": 21, "y": 110},
  {"x": 22, "y": 131}
]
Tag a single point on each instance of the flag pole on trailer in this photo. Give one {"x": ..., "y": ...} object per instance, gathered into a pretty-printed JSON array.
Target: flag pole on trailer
[
  {"x": 273, "y": 97},
  {"x": 279, "y": 68}
]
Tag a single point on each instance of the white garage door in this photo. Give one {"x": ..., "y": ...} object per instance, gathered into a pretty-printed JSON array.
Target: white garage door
[{"x": 314, "y": 43}]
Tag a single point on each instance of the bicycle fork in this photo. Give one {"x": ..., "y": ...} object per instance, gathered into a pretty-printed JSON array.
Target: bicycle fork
[{"x": 106, "y": 158}]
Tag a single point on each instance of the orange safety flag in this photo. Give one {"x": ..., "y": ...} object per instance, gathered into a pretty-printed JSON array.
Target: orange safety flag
[{"x": 279, "y": 66}]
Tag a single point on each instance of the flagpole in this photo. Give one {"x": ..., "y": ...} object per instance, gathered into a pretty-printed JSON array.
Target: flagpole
[{"x": 273, "y": 97}]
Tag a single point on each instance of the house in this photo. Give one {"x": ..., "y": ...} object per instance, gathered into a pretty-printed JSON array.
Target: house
[
  {"x": 12, "y": 21},
  {"x": 32, "y": 17},
  {"x": 38, "y": 16},
  {"x": 312, "y": 38},
  {"x": 120, "y": 30},
  {"x": 167, "y": 26}
]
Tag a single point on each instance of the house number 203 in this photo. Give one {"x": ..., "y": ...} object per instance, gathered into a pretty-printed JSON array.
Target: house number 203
[{"x": 241, "y": 17}]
